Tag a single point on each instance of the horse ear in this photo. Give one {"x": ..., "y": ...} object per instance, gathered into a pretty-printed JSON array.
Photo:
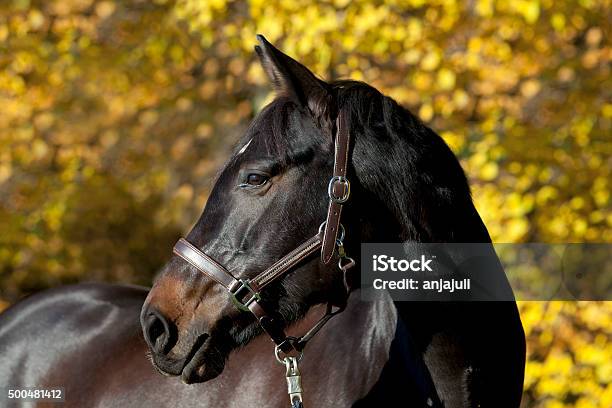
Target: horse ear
[{"x": 291, "y": 78}]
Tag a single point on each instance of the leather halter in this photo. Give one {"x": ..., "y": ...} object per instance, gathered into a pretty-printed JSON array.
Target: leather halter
[{"x": 245, "y": 293}]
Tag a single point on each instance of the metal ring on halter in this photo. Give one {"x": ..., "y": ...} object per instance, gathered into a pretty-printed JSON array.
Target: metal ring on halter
[
  {"x": 350, "y": 262},
  {"x": 342, "y": 231},
  {"x": 277, "y": 352}
]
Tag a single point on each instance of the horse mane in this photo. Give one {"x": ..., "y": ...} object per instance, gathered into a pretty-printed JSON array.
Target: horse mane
[{"x": 409, "y": 168}]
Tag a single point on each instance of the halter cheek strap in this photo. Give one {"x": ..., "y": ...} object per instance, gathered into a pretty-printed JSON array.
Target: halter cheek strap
[
  {"x": 338, "y": 190},
  {"x": 245, "y": 293}
]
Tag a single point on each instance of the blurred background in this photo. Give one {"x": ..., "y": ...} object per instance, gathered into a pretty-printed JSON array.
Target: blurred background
[{"x": 115, "y": 116}]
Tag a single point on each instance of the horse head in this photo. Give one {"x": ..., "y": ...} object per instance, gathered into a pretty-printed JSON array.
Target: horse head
[{"x": 272, "y": 195}]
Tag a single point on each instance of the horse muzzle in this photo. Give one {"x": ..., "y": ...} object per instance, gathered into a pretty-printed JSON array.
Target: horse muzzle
[{"x": 195, "y": 360}]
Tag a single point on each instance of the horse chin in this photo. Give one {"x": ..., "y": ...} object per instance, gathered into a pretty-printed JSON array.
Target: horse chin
[{"x": 207, "y": 363}]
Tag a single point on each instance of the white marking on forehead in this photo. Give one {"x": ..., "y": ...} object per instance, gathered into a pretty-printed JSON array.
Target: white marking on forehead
[{"x": 245, "y": 147}]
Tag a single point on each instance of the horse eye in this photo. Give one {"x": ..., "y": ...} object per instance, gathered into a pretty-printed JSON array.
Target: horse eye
[{"x": 255, "y": 179}]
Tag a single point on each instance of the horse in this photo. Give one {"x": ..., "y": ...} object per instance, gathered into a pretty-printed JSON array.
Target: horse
[{"x": 113, "y": 345}]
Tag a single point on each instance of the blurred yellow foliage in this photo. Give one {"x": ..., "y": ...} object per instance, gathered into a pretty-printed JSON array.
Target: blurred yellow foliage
[{"x": 115, "y": 115}]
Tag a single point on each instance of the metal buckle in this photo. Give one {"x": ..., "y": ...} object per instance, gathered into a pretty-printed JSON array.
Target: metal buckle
[
  {"x": 296, "y": 354},
  {"x": 294, "y": 381},
  {"x": 238, "y": 292},
  {"x": 346, "y": 186}
]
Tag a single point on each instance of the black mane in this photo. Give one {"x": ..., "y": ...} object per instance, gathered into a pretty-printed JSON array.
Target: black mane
[{"x": 410, "y": 168}]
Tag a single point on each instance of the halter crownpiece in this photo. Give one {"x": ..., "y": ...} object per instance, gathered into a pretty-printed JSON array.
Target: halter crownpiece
[{"x": 246, "y": 293}]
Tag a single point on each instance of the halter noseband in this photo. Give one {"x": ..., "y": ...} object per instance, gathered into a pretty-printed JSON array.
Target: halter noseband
[{"x": 245, "y": 293}]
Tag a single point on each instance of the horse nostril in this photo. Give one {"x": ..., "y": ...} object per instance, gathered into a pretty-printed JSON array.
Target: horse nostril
[{"x": 158, "y": 332}]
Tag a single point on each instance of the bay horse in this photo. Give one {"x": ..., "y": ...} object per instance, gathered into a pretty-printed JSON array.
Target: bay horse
[{"x": 270, "y": 198}]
